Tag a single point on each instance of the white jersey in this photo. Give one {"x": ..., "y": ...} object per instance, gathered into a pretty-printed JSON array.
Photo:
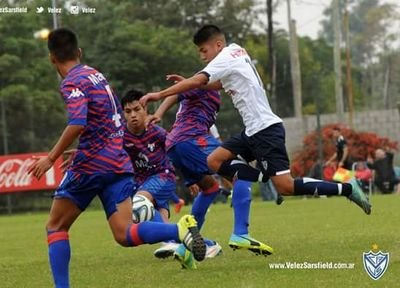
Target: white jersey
[{"x": 239, "y": 78}]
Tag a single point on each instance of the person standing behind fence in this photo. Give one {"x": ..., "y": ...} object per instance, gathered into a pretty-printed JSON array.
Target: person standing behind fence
[{"x": 341, "y": 155}]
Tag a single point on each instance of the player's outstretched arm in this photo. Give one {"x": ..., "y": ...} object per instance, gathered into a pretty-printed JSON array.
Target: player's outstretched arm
[
  {"x": 164, "y": 107},
  {"x": 195, "y": 81},
  {"x": 71, "y": 132}
]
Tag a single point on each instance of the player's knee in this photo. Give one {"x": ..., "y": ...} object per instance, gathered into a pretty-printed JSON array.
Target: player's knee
[
  {"x": 213, "y": 163},
  {"x": 120, "y": 238},
  {"x": 56, "y": 225},
  {"x": 285, "y": 189}
]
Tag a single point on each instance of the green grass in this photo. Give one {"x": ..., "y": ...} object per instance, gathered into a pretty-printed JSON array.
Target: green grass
[{"x": 312, "y": 230}]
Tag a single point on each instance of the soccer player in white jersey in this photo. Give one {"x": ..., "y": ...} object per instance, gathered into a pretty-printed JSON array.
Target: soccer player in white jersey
[{"x": 263, "y": 139}]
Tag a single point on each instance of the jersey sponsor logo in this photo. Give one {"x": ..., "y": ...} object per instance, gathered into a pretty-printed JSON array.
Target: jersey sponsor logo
[
  {"x": 129, "y": 145},
  {"x": 143, "y": 162},
  {"x": 76, "y": 93},
  {"x": 238, "y": 52},
  {"x": 117, "y": 134}
]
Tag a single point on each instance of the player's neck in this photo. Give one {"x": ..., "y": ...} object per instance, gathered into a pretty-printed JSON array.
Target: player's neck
[
  {"x": 66, "y": 66},
  {"x": 136, "y": 130}
]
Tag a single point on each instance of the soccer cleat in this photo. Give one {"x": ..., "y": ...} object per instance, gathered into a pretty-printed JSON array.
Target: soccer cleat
[
  {"x": 251, "y": 244},
  {"x": 279, "y": 199},
  {"x": 185, "y": 257},
  {"x": 213, "y": 250},
  {"x": 190, "y": 237},
  {"x": 179, "y": 205},
  {"x": 166, "y": 250},
  {"x": 358, "y": 196}
]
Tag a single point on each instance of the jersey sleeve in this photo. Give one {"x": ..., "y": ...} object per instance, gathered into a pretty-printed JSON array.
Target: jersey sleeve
[
  {"x": 218, "y": 68},
  {"x": 76, "y": 101},
  {"x": 191, "y": 94}
]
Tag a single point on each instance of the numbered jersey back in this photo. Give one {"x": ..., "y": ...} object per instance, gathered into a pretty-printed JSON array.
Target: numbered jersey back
[
  {"x": 91, "y": 103},
  {"x": 240, "y": 79}
]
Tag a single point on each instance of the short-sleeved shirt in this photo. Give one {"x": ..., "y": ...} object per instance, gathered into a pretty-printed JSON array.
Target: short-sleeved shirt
[
  {"x": 239, "y": 78},
  {"x": 148, "y": 154},
  {"x": 91, "y": 103},
  {"x": 196, "y": 114}
]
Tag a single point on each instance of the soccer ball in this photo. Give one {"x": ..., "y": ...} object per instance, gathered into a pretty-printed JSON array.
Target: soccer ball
[{"x": 142, "y": 209}]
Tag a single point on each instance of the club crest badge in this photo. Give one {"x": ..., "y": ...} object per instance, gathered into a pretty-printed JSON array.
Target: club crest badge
[
  {"x": 151, "y": 146},
  {"x": 375, "y": 263}
]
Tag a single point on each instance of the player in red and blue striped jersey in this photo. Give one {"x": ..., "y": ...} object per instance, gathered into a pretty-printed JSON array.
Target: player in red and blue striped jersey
[
  {"x": 188, "y": 145},
  {"x": 100, "y": 167},
  {"x": 153, "y": 171}
]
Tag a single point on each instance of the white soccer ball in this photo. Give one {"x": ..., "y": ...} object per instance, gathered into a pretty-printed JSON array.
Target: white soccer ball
[{"x": 142, "y": 209}]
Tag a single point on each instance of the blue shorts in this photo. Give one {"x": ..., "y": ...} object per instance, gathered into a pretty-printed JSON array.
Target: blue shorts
[
  {"x": 161, "y": 187},
  {"x": 190, "y": 157},
  {"x": 112, "y": 189}
]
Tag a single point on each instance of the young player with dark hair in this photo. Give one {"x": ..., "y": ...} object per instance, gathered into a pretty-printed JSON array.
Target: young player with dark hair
[
  {"x": 188, "y": 145},
  {"x": 263, "y": 139},
  {"x": 101, "y": 167}
]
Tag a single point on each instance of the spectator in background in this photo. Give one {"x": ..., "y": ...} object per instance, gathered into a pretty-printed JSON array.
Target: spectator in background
[
  {"x": 363, "y": 174},
  {"x": 382, "y": 164},
  {"x": 341, "y": 155}
]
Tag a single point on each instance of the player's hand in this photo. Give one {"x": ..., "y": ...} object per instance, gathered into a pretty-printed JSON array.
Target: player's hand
[
  {"x": 194, "y": 189},
  {"x": 152, "y": 119},
  {"x": 175, "y": 77},
  {"x": 150, "y": 97},
  {"x": 69, "y": 156},
  {"x": 340, "y": 164},
  {"x": 42, "y": 164}
]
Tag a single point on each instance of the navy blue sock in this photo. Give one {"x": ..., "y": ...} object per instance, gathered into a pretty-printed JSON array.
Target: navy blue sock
[
  {"x": 201, "y": 204},
  {"x": 241, "y": 170},
  {"x": 151, "y": 232},
  {"x": 241, "y": 199},
  {"x": 311, "y": 186},
  {"x": 59, "y": 256}
]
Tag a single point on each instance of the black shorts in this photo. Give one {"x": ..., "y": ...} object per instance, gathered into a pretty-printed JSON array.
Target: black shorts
[{"x": 266, "y": 146}]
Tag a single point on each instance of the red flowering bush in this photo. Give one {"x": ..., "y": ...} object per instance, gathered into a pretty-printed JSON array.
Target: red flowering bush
[{"x": 361, "y": 145}]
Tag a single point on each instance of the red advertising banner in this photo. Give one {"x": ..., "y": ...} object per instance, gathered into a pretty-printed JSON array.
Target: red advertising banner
[{"x": 14, "y": 176}]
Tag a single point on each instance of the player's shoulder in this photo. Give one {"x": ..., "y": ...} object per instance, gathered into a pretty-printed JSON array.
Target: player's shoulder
[
  {"x": 156, "y": 129},
  {"x": 78, "y": 76}
]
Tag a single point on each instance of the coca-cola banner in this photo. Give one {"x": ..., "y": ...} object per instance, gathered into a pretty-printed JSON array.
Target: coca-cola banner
[{"x": 14, "y": 176}]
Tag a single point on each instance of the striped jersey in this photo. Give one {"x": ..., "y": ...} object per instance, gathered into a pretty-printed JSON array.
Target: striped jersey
[
  {"x": 196, "y": 114},
  {"x": 91, "y": 103},
  {"x": 148, "y": 154}
]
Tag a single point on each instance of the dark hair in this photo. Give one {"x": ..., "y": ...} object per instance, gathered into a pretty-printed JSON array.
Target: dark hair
[
  {"x": 337, "y": 128},
  {"x": 63, "y": 44},
  {"x": 130, "y": 96},
  {"x": 205, "y": 33}
]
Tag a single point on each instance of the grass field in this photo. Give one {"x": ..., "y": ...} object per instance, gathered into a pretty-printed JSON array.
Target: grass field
[{"x": 312, "y": 230}]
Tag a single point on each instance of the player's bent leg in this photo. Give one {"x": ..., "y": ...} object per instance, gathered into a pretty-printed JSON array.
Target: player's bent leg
[
  {"x": 286, "y": 185},
  {"x": 209, "y": 191},
  {"x": 63, "y": 213},
  {"x": 217, "y": 157}
]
